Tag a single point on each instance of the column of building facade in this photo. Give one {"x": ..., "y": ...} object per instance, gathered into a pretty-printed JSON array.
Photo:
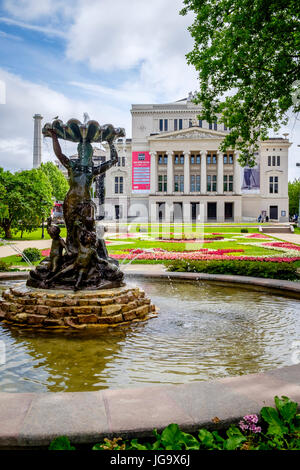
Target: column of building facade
[
  {"x": 203, "y": 172},
  {"x": 236, "y": 174},
  {"x": 170, "y": 173},
  {"x": 153, "y": 173},
  {"x": 220, "y": 176},
  {"x": 186, "y": 171}
]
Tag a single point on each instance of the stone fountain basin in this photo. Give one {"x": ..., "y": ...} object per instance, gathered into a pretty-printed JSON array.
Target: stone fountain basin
[{"x": 60, "y": 309}]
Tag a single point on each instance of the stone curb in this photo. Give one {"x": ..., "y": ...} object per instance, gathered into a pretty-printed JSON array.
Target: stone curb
[{"x": 31, "y": 420}]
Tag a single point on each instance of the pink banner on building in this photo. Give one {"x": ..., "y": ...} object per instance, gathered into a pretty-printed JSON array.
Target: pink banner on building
[{"x": 141, "y": 162}]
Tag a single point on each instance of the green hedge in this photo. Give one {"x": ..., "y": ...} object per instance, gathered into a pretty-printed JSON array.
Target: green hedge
[
  {"x": 271, "y": 270},
  {"x": 4, "y": 266},
  {"x": 32, "y": 254}
]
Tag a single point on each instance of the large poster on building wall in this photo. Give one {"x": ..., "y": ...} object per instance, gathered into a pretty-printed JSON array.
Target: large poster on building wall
[
  {"x": 141, "y": 162},
  {"x": 251, "y": 178}
]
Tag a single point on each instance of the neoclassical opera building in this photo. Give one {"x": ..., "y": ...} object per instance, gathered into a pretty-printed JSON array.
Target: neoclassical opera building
[{"x": 172, "y": 171}]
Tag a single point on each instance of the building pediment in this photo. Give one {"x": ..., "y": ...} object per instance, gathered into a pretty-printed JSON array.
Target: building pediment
[{"x": 192, "y": 133}]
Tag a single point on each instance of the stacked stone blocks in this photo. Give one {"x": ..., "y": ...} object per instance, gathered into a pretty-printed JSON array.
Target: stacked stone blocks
[{"x": 44, "y": 309}]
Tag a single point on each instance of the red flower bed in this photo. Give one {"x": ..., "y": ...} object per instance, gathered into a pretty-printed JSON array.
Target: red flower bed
[{"x": 45, "y": 252}]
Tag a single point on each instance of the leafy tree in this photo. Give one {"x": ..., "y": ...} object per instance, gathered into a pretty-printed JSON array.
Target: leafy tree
[
  {"x": 294, "y": 194},
  {"x": 26, "y": 200},
  {"x": 59, "y": 183},
  {"x": 247, "y": 55}
]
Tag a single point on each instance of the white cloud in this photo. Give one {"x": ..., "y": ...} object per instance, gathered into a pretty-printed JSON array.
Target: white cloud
[
  {"x": 41, "y": 29},
  {"x": 24, "y": 99},
  {"x": 31, "y": 10}
]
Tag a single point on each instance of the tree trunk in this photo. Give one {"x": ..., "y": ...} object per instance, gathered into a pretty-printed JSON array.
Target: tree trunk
[{"x": 6, "y": 225}]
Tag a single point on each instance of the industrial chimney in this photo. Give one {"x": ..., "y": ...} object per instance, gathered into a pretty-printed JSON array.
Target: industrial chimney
[{"x": 37, "y": 141}]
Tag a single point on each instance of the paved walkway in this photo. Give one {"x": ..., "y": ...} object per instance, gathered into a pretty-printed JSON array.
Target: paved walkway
[
  {"x": 8, "y": 250},
  {"x": 287, "y": 237},
  {"x": 34, "y": 419}
]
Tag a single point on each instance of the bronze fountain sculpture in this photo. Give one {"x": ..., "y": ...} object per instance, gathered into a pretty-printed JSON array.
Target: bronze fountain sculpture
[
  {"x": 85, "y": 263},
  {"x": 78, "y": 285}
]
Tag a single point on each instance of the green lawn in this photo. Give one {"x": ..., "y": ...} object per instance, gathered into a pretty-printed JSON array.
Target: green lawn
[{"x": 36, "y": 235}]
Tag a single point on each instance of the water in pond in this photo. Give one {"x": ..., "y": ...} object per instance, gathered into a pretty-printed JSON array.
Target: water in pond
[{"x": 203, "y": 332}]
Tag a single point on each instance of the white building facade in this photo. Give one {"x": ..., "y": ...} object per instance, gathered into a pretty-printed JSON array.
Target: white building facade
[{"x": 173, "y": 171}]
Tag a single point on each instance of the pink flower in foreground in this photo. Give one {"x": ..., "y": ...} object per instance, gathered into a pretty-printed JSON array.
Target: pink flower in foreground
[{"x": 249, "y": 423}]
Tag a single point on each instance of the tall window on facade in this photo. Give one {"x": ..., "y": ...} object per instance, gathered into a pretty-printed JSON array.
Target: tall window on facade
[
  {"x": 121, "y": 161},
  {"x": 118, "y": 184},
  {"x": 178, "y": 159},
  {"x": 175, "y": 124},
  {"x": 179, "y": 183},
  {"x": 273, "y": 184},
  {"x": 200, "y": 122},
  {"x": 211, "y": 183},
  {"x": 228, "y": 183},
  {"x": 162, "y": 183},
  {"x": 195, "y": 183},
  {"x": 180, "y": 124},
  {"x": 210, "y": 125},
  {"x": 215, "y": 126},
  {"x": 190, "y": 123},
  {"x": 162, "y": 159},
  {"x": 163, "y": 125},
  {"x": 274, "y": 160},
  {"x": 211, "y": 159}
]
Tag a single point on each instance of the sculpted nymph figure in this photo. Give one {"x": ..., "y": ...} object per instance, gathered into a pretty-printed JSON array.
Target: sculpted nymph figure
[{"x": 81, "y": 264}]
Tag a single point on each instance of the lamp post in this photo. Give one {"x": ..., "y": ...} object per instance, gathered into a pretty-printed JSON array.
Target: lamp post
[
  {"x": 298, "y": 221},
  {"x": 43, "y": 219}
]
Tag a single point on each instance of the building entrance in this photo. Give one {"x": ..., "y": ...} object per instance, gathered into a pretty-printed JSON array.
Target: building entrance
[
  {"x": 211, "y": 210},
  {"x": 228, "y": 210}
]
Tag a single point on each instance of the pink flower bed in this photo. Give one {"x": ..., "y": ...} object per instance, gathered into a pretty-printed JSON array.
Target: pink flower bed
[
  {"x": 288, "y": 246},
  {"x": 198, "y": 255},
  {"x": 189, "y": 240},
  {"x": 256, "y": 235},
  {"x": 221, "y": 251}
]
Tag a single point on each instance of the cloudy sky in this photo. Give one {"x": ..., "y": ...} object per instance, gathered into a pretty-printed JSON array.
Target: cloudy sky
[{"x": 67, "y": 57}]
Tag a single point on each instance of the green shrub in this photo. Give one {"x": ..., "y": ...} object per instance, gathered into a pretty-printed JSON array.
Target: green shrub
[
  {"x": 267, "y": 269},
  {"x": 4, "y": 266},
  {"x": 32, "y": 254},
  {"x": 244, "y": 230}
]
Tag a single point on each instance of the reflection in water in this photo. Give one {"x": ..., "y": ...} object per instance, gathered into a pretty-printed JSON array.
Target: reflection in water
[{"x": 203, "y": 332}]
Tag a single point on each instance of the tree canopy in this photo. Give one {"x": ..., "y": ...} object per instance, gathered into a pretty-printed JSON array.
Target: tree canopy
[
  {"x": 247, "y": 54},
  {"x": 59, "y": 183},
  {"x": 294, "y": 195},
  {"x": 25, "y": 199}
]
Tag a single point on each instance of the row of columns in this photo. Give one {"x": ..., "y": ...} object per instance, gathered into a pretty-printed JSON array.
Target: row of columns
[
  {"x": 187, "y": 214},
  {"x": 186, "y": 170}
]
